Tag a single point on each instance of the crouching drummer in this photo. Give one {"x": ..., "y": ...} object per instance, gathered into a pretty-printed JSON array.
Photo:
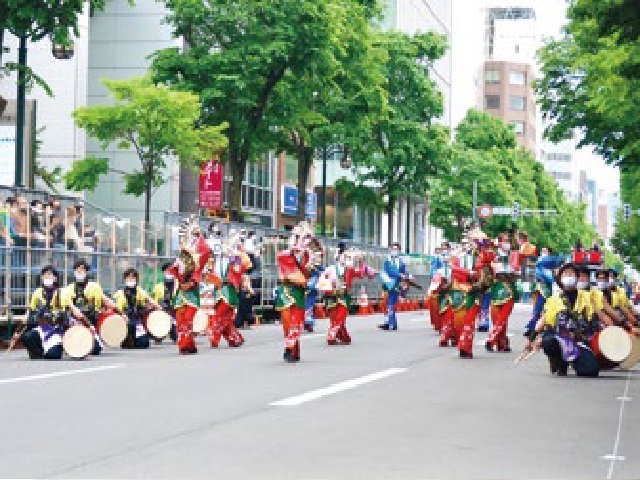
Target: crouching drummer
[
  {"x": 164, "y": 294},
  {"x": 564, "y": 327},
  {"x": 46, "y": 319},
  {"x": 86, "y": 300},
  {"x": 132, "y": 303}
]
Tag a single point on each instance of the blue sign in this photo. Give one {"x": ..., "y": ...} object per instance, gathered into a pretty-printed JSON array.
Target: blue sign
[
  {"x": 290, "y": 202},
  {"x": 311, "y": 209}
]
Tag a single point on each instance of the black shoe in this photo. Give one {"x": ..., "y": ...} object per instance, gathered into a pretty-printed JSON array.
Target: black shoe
[
  {"x": 393, "y": 328},
  {"x": 383, "y": 326},
  {"x": 488, "y": 347},
  {"x": 562, "y": 372},
  {"x": 188, "y": 351},
  {"x": 465, "y": 354}
]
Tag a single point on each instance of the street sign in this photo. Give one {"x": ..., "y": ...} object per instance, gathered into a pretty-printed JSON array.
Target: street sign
[
  {"x": 485, "y": 211},
  {"x": 502, "y": 210}
]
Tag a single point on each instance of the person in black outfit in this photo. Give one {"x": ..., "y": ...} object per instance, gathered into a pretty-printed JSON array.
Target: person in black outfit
[{"x": 244, "y": 318}]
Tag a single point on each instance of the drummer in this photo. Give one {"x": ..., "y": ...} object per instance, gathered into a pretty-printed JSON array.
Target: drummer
[
  {"x": 164, "y": 293},
  {"x": 132, "y": 302},
  {"x": 42, "y": 334},
  {"x": 620, "y": 302},
  {"x": 562, "y": 340},
  {"x": 86, "y": 299}
]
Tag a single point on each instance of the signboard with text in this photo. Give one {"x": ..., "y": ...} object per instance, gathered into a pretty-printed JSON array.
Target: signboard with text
[
  {"x": 211, "y": 181},
  {"x": 289, "y": 203}
]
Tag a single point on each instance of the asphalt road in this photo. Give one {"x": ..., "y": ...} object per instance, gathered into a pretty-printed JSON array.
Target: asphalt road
[{"x": 391, "y": 405}]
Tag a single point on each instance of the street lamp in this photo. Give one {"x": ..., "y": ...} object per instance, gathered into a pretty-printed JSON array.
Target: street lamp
[{"x": 59, "y": 51}]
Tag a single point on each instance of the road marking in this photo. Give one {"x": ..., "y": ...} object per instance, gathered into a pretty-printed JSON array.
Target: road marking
[
  {"x": 614, "y": 457},
  {"x": 59, "y": 374},
  {"x": 336, "y": 388}
]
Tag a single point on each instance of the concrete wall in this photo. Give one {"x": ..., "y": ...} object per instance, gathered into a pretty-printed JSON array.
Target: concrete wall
[{"x": 122, "y": 37}]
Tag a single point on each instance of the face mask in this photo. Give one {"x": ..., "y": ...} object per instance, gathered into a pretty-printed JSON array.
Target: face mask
[
  {"x": 583, "y": 285},
  {"x": 48, "y": 282},
  {"x": 612, "y": 284},
  {"x": 506, "y": 246},
  {"x": 131, "y": 284},
  {"x": 569, "y": 282},
  {"x": 394, "y": 253},
  {"x": 168, "y": 277},
  {"x": 603, "y": 285},
  {"x": 80, "y": 277}
]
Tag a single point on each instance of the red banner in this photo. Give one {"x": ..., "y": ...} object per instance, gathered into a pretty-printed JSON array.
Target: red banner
[{"x": 211, "y": 185}]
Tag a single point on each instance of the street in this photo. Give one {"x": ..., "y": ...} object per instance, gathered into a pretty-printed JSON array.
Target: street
[{"x": 391, "y": 405}]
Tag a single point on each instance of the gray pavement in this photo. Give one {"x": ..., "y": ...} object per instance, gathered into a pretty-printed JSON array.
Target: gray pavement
[{"x": 391, "y": 405}]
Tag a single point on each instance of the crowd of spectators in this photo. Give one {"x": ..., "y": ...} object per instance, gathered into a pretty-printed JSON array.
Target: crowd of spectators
[{"x": 45, "y": 225}]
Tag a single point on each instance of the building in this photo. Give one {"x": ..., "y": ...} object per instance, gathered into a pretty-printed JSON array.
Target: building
[
  {"x": 48, "y": 118},
  {"x": 508, "y": 95},
  {"x": 510, "y": 44},
  {"x": 592, "y": 203},
  {"x": 603, "y": 222}
]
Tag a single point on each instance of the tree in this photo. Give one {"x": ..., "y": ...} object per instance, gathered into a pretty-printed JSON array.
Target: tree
[
  {"x": 238, "y": 52},
  {"x": 404, "y": 149},
  {"x": 590, "y": 79},
  {"x": 153, "y": 120},
  {"x": 328, "y": 105},
  {"x": 485, "y": 149},
  {"x": 37, "y": 19}
]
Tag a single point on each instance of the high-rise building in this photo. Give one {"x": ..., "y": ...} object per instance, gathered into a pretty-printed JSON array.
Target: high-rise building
[{"x": 510, "y": 43}]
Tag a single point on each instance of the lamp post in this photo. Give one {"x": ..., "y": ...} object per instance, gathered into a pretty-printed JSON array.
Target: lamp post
[{"x": 60, "y": 52}]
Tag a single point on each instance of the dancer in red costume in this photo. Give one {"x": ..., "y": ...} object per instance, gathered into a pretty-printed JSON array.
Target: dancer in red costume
[
  {"x": 293, "y": 275},
  {"x": 187, "y": 270},
  {"x": 221, "y": 323}
]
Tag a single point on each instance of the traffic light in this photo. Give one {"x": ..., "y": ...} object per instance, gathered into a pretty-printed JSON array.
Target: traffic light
[
  {"x": 515, "y": 210},
  {"x": 627, "y": 211}
]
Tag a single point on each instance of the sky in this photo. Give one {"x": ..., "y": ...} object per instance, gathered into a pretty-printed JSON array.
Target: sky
[{"x": 468, "y": 37}]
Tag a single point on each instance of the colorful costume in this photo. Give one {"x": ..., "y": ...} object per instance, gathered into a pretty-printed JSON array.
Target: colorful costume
[
  {"x": 393, "y": 271},
  {"x": 227, "y": 283},
  {"x": 87, "y": 297},
  {"x": 503, "y": 298},
  {"x": 46, "y": 322},
  {"x": 132, "y": 302},
  {"x": 293, "y": 275},
  {"x": 187, "y": 270}
]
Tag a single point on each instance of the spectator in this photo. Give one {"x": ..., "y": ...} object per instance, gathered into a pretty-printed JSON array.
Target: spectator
[
  {"x": 595, "y": 247},
  {"x": 38, "y": 227},
  {"x": 19, "y": 221},
  {"x": 244, "y": 318},
  {"x": 74, "y": 242},
  {"x": 57, "y": 232}
]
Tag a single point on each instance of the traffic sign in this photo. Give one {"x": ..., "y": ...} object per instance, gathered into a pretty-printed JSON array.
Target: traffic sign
[{"x": 485, "y": 211}]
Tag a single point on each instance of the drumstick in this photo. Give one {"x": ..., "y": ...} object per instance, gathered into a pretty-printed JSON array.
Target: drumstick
[{"x": 15, "y": 338}]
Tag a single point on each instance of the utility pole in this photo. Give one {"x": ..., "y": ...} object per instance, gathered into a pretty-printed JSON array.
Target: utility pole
[
  {"x": 20, "y": 113},
  {"x": 475, "y": 202},
  {"x": 323, "y": 191}
]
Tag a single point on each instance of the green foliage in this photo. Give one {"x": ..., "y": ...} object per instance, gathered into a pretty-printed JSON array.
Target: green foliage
[
  {"x": 239, "y": 52},
  {"x": 590, "y": 78},
  {"x": 505, "y": 175},
  {"x": 157, "y": 122},
  {"x": 361, "y": 195},
  {"x": 85, "y": 174},
  {"x": 401, "y": 150}
]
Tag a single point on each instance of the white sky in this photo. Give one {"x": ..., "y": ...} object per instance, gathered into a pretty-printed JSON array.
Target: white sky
[{"x": 468, "y": 38}]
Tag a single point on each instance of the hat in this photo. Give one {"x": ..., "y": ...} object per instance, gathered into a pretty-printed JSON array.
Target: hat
[{"x": 562, "y": 269}]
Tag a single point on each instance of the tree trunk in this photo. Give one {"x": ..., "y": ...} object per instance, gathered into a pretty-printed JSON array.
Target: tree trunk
[
  {"x": 391, "y": 203},
  {"x": 237, "y": 164},
  {"x": 147, "y": 202},
  {"x": 305, "y": 160}
]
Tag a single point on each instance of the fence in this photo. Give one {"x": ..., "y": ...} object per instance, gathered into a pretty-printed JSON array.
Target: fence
[{"x": 94, "y": 228}]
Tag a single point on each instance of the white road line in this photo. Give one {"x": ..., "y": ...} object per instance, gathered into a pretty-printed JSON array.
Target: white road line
[
  {"x": 613, "y": 457},
  {"x": 59, "y": 374},
  {"x": 336, "y": 388}
]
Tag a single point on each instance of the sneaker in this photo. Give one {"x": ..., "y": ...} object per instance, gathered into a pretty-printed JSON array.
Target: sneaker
[
  {"x": 466, "y": 354},
  {"x": 383, "y": 326},
  {"x": 188, "y": 351},
  {"x": 488, "y": 347}
]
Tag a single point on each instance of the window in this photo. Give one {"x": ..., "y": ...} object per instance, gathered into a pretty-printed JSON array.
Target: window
[
  {"x": 492, "y": 76},
  {"x": 517, "y": 78},
  {"x": 517, "y": 102},
  {"x": 492, "y": 101},
  {"x": 561, "y": 175},
  {"x": 256, "y": 187},
  {"x": 518, "y": 128}
]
